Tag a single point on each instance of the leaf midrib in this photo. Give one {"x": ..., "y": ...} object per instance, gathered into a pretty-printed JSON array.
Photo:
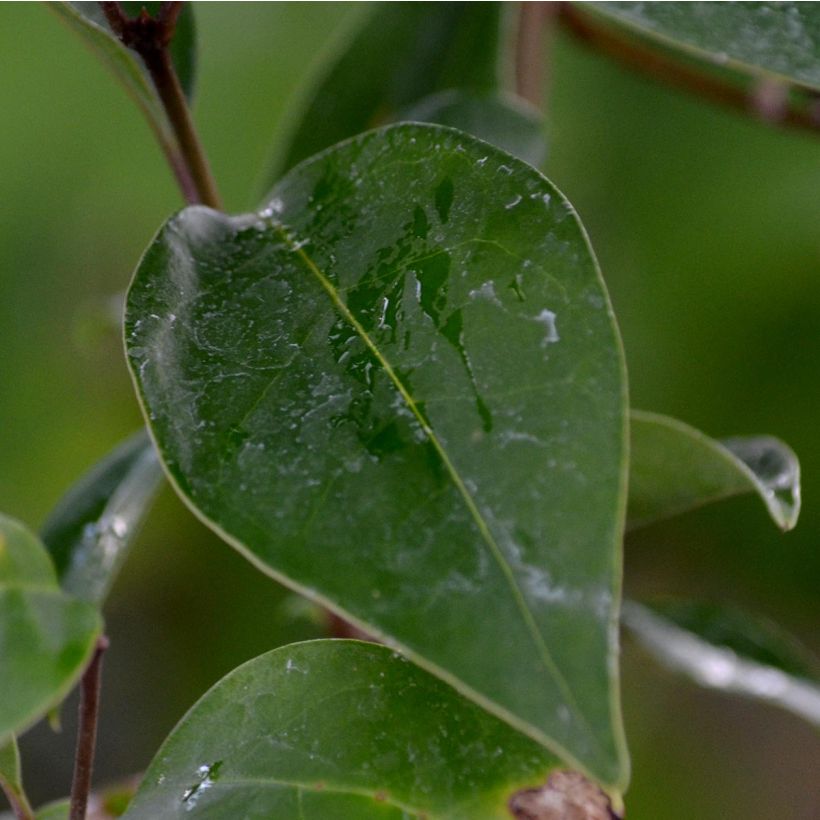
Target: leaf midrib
[{"x": 532, "y": 628}]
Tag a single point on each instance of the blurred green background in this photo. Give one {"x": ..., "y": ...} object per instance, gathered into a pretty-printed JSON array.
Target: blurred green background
[{"x": 706, "y": 226}]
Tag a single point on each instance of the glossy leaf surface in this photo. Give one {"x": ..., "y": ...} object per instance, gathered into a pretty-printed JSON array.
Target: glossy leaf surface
[
  {"x": 338, "y": 729},
  {"x": 505, "y": 121},
  {"x": 89, "y": 22},
  {"x": 779, "y": 38},
  {"x": 91, "y": 528},
  {"x": 45, "y": 636},
  {"x": 396, "y": 54},
  {"x": 400, "y": 389},
  {"x": 675, "y": 468},
  {"x": 731, "y": 651}
]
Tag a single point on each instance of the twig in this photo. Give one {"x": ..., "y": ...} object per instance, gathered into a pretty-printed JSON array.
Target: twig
[
  {"x": 529, "y": 52},
  {"x": 87, "y": 732},
  {"x": 18, "y": 802},
  {"x": 648, "y": 61},
  {"x": 150, "y": 37}
]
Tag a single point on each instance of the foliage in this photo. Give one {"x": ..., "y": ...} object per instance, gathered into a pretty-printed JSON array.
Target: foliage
[{"x": 397, "y": 387}]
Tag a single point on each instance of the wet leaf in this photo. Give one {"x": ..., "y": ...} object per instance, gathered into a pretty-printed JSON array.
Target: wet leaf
[
  {"x": 503, "y": 120},
  {"x": 92, "y": 527},
  {"x": 399, "y": 389},
  {"x": 46, "y": 637},
  {"x": 675, "y": 468},
  {"x": 731, "y": 651},
  {"x": 338, "y": 729},
  {"x": 773, "y": 38},
  {"x": 393, "y": 55},
  {"x": 89, "y": 22}
]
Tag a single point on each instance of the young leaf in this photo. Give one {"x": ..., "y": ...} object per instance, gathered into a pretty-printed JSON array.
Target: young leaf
[
  {"x": 731, "y": 651},
  {"x": 46, "y": 638},
  {"x": 397, "y": 54},
  {"x": 90, "y": 23},
  {"x": 771, "y": 38},
  {"x": 338, "y": 729},
  {"x": 675, "y": 468},
  {"x": 400, "y": 390},
  {"x": 90, "y": 530},
  {"x": 503, "y": 120}
]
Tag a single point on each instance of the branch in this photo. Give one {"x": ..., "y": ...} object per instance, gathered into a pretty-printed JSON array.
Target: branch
[
  {"x": 661, "y": 67},
  {"x": 150, "y": 37},
  {"x": 87, "y": 732}
]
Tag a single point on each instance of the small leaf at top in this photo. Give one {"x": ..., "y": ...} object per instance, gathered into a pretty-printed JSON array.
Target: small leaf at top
[
  {"x": 675, "y": 468},
  {"x": 90, "y": 530},
  {"x": 503, "y": 120},
  {"x": 46, "y": 637},
  {"x": 399, "y": 388},
  {"x": 770, "y": 38},
  {"x": 338, "y": 729},
  {"x": 729, "y": 650},
  {"x": 396, "y": 54}
]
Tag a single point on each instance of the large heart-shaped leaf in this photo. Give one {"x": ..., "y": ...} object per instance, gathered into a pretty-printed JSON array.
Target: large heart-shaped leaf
[
  {"x": 90, "y": 530},
  {"x": 392, "y": 57},
  {"x": 46, "y": 637},
  {"x": 771, "y": 38},
  {"x": 89, "y": 21},
  {"x": 338, "y": 729},
  {"x": 674, "y": 468},
  {"x": 400, "y": 390},
  {"x": 730, "y": 651}
]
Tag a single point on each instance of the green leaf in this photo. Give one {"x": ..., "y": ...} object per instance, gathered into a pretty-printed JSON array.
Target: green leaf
[
  {"x": 775, "y": 38},
  {"x": 11, "y": 779},
  {"x": 400, "y": 390},
  {"x": 503, "y": 120},
  {"x": 338, "y": 729},
  {"x": 46, "y": 637},
  {"x": 90, "y": 530},
  {"x": 395, "y": 54},
  {"x": 58, "y": 810},
  {"x": 675, "y": 468},
  {"x": 89, "y": 22},
  {"x": 731, "y": 651}
]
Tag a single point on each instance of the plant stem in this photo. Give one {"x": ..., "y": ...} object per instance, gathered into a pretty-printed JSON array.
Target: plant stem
[
  {"x": 661, "y": 67},
  {"x": 150, "y": 37},
  {"x": 87, "y": 732},
  {"x": 18, "y": 802},
  {"x": 529, "y": 52}
]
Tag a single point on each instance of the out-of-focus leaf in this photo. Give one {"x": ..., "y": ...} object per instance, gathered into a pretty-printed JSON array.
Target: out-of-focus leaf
[
  {"x": 674, "y": 468},
  {"x": 46, "y": 637},
  {"x": 90, "y": 530},
  {"x": 338, "y": 729},
  {"x": 89, "y": 22},
  {"x": 11, "y": 780},
  {"x": 731, "y": 651},
  {"x": 395, "y": 54},
  {"x": 503, "y": 120},
  {"x": 400, "y": 389},
  {"x": 770, "y": 38}
]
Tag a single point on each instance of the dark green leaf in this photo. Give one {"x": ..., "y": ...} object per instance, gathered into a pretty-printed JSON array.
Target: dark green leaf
[
  {"x": 731, "y": 651},
  {"x": 400, "y": 389},
  {"x": 90, "y": 530},
  {"x": 338, "y": 729},
  {"x": 675, "y": 468},
  {"x": 89, "y": 21},
  {"x": 45, "y": 636},
  {"x": 396, "y": 54},
  {"x": 773, "y": 38},
  {"x": 503, "y": 120}
]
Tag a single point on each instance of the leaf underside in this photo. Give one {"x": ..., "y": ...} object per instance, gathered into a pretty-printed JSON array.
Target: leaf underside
[{"x": 399, "y": 389}]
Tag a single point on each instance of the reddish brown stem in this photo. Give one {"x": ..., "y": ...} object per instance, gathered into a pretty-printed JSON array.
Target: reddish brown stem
[{"x": 87, "y": 732}]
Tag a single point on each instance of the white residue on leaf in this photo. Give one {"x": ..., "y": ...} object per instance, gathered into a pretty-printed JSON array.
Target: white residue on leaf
[
  {"x": 547, "y": 318},
  {"x": 486, "y": 291}
]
